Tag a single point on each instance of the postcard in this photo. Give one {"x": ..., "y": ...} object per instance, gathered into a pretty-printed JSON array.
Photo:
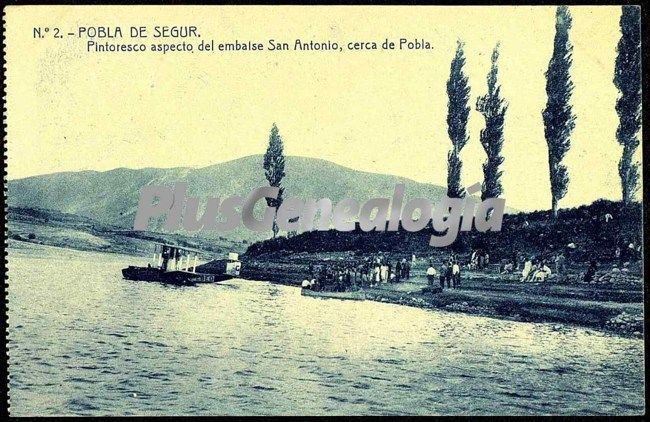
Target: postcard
[{"x": 324, "y": 210}]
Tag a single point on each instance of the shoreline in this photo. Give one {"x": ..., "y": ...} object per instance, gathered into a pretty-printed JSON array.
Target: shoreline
[
  {"x": 550, "y": 303},
  {"x": 607, "y": 309}
]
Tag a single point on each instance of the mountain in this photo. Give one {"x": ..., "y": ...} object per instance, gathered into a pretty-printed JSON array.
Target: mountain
[{"x": 111, "y": 197}]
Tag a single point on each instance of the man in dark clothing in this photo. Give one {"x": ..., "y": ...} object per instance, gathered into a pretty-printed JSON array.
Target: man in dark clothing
[
  {"x": 448, "y": 274},
  {"x": 443, "y": 275},
  {"x": 591, "y": 271},
  {"x": 481, "y": 259},
  {"x": 398, "y": 271}
]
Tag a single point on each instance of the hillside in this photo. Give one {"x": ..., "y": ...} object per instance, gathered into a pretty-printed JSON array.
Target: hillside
[
  {"x": 111, "y": 197},
  {"x": 53, "y": 228},
  {"x": 531, "y": 234}
]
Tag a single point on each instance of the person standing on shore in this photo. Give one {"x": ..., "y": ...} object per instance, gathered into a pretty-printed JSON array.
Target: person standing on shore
[
  {"x": 443, "y": 275},
  {"x": 591, "y": 271},
  {"x": 377, "y": 275},
  {"x": 455, "y": 272},
  {"x": 480, "y": 256},
  {"x": 560, "y": 263},
  {"x": 631, "y": 251},
  {"x": 431, "y": 274},
  {"x": 448, "y": 274},
  {"x": 398, "y": 271},
  {"x": 528, "y": 267}
]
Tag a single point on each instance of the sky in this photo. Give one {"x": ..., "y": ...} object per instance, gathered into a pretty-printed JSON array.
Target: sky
[{"x": 378, "y": 111}]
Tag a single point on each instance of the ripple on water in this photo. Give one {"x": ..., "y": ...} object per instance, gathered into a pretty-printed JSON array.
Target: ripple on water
[
  {"x": 257, "y": 348},
  {"x": 81, "y": 405},
  {"x": 263, "y": 388}
]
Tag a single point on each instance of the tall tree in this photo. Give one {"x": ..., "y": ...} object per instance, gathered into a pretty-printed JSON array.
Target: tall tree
[
  {"x": 457, "y": 115},
  {"x": 559, "y": 120},
  {"x": 627, "y": 78},
  {"x": 274, "y": 170},
  {"x": 493, "y": 107}
]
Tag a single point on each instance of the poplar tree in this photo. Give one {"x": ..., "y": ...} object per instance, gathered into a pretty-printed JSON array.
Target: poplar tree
[
  {"x": 274, "y": 170},
  {"x": 457, "y": 116},
  {"x": 627, "y": 78},
  {"x": 493, "y": 107},
  {"x": 559, "y": 120}
]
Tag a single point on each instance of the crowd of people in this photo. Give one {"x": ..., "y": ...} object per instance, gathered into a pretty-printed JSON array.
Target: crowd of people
[
  {"x": 449, "y": 274},
  {"x": 533, "y": 269},
  {"x": 376, "y": 270},
  {"x": 627, "y": 251},
  {"x": 479, "y": 259},
  {"x": 368, "y": 272}
]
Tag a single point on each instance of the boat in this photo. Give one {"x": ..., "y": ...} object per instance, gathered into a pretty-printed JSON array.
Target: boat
[
  {"x": 353, "y": 295},
  {"x": 176, "y": 265}
]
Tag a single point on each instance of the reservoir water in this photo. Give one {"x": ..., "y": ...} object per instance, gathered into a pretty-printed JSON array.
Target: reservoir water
[{"x": 83, "y": 341}]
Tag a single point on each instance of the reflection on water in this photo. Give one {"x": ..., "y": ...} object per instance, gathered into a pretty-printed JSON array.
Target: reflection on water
[{"x": 85, "y": 341}]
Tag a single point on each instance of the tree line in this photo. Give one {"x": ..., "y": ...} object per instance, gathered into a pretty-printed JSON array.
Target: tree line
[{"x": 558, "y": 117}]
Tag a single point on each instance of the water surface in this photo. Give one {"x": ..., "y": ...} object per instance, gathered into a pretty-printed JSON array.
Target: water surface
[{"x": 83, "y": 341}]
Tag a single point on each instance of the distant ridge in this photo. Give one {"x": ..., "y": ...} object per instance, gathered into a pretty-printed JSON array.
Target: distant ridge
[{"x": 111, "y": 196}]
